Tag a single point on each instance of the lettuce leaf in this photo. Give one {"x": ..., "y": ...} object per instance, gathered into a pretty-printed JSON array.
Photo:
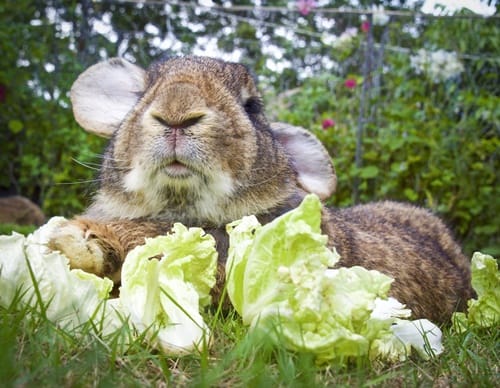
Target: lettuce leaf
[
  {"x": 259, "y": 255},
  {"x": 43, "y": 280},
  {"x": 163, "y": 296},
  {"x": 159, "y": 296},
  {"x": 485, "y": 310},
  {"x": 279, "y": 280}
]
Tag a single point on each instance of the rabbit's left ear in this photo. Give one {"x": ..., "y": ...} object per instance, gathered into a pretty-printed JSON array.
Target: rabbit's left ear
[
  {"x": 310, "y": 159},
  {"x": 104, "y": 93}
]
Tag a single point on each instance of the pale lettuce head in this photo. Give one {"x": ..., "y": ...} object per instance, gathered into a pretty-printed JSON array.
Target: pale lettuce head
[
  {"x": 44, "y": 281},
  {"x": 163, "y": 296},
  {"x": 278, "y": 279},
  {"x": 160, "y": 296},
  {"x": 485, "y": 310}
]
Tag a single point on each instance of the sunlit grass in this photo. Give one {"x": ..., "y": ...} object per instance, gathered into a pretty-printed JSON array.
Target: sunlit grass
[{"x": 35, "y": 352}]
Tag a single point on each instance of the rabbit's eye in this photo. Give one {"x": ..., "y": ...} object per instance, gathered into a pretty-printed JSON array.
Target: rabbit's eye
[
  {"x": 253, "y": 105},
  {"x": 189, "y": 122},
  {"x": 161, "y": 121},
  {"x": 178, "y": 124}
]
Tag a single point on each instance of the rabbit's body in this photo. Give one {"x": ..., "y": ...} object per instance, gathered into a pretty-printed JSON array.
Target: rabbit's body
[
  {"x": 190, "y": 143},
  {"x": 432, "y": 276}
]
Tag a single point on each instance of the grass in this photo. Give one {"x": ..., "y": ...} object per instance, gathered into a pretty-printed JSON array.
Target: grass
[
  {"x": 23, "y": 229},
  {"x": 34, "y": 352}
]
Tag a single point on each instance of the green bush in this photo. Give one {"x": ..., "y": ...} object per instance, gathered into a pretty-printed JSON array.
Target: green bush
[
  {"x": 40, "y": 142},
  {"x": 427, "y": 134},
  {"x": 413, "y": 149},
  {"x": 432, "y": 143}
]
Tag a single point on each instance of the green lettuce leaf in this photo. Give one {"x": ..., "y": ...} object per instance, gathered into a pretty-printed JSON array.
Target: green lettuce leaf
[
  {"x": 258, "y": 255},
  {"x": 160, "y": 296},
  {"x": 163, "y": 296},
  {"x": 279, "y": 280},
  {"x": 485, "y": 310}
]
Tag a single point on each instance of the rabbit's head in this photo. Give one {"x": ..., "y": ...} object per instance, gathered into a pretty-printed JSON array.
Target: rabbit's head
[{"x": 190, "y": 143}]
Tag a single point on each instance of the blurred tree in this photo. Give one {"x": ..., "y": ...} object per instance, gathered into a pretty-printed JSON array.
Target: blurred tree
[
  {"x": 39, "y": 138},
  {"x": 431, "y": 132},
  {"x": 433, "y": 143}
]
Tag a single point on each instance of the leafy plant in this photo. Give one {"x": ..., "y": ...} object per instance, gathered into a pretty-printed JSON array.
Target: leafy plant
[{"x": 432, "y": 143}]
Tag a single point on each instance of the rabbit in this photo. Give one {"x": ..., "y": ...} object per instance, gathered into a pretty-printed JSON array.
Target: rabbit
[{"x": 190, "y": 142}]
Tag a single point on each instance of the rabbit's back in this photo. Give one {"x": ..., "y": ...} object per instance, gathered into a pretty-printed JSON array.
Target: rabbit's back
[{"x": 432, "y": 276}]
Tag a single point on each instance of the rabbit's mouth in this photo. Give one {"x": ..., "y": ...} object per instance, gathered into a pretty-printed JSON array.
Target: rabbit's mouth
[{"x": 176, "y": 169}]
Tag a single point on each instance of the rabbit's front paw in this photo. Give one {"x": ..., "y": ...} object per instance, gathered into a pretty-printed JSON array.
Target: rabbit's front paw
[{"x": 89, "y": 247}]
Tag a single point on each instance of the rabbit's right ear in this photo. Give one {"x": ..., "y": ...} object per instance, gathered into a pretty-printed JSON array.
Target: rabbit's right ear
[{"x": 104, "y": 94}]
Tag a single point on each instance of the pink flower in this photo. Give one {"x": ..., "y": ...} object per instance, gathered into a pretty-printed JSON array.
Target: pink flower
[
  {"x": 350, "y": 83},
  {"x": 365, "y": 26},
  {"x": 305, "y": 6},
  {"x": 328, "y": 123}
]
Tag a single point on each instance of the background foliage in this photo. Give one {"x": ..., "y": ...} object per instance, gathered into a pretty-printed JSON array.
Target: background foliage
[{"x": 393, "y": 132}]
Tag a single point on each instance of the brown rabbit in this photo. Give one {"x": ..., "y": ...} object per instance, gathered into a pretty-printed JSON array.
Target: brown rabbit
[{"x": 190, "y": 143}]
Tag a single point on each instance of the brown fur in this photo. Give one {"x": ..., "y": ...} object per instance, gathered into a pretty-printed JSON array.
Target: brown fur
[
  {"x": 20, "y": 210},
  {"x": 190, "y": 143},
  {"x": 432, "y": 276}
]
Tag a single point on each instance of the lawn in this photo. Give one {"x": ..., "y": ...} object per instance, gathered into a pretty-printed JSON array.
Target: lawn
[{"x": 37, "y": 353}]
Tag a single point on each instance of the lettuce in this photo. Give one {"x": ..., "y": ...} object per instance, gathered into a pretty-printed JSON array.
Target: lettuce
[
  {"x": 259, "y": 255},
  {"x": 279, "y": 280},
  {"x": 163, "y": 296},
  {"x": 485, "y": 310},
  {"x": 42, "y": 279}
]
